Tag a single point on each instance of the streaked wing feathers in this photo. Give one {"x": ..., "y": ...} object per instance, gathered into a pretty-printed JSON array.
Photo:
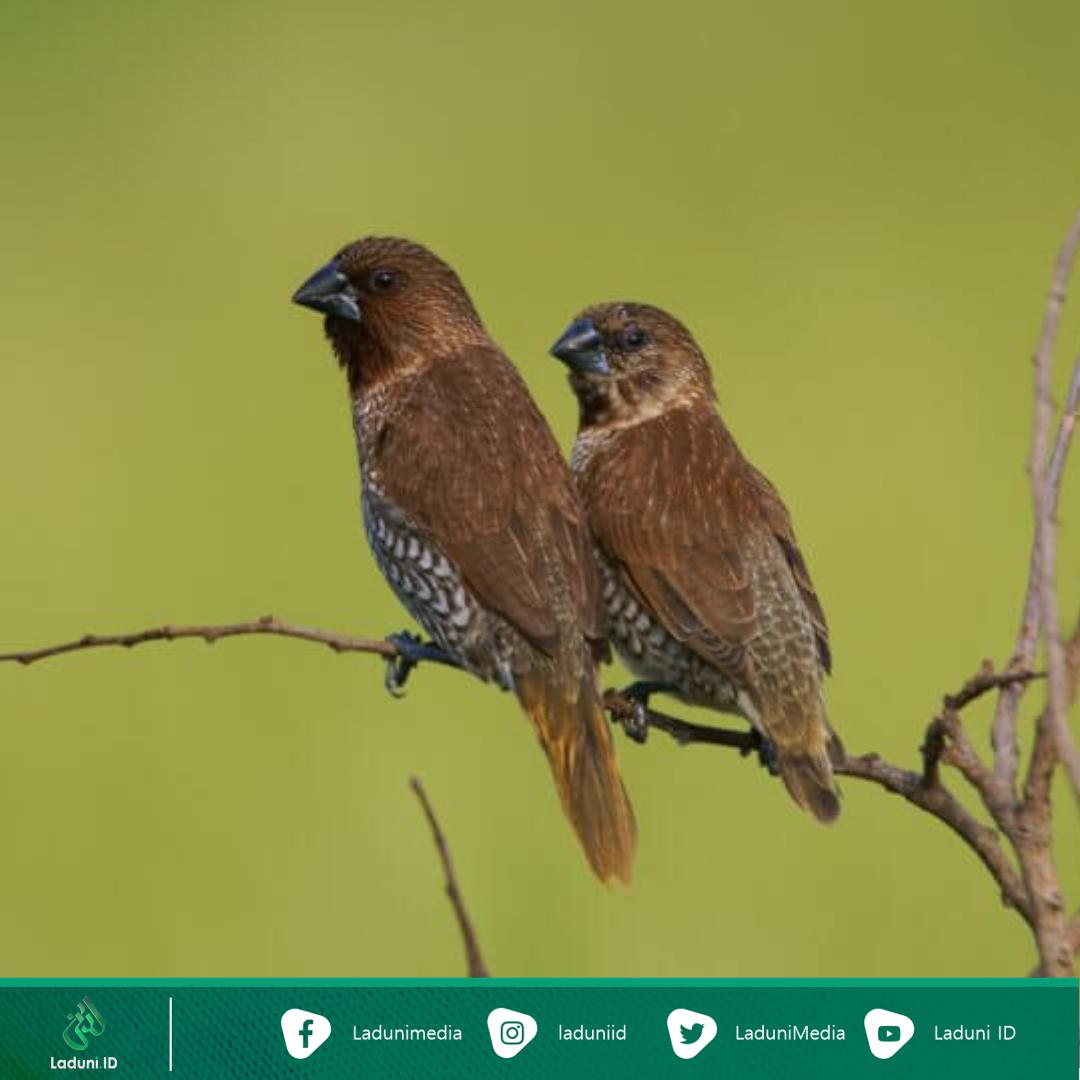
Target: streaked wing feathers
[
  {"x": 685, "y": 521},
  {"x": 470, "y": 459}
]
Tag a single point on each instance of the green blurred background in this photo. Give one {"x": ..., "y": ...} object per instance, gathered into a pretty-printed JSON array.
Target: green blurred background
[{"x": 855, "y": 208}]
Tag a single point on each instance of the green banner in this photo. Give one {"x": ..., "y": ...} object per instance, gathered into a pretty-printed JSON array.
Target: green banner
[{"x": 540, "y": 1028}]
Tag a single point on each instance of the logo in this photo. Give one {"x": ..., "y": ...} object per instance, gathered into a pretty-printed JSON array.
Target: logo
[
  {"x": 304, "y": 1032},
  {"x": 510, "y": 1031},
  {"x": 887, "y": 1031},
  {"x": 690, "y": 1032},
  {"x": 84, "y": 1021}
]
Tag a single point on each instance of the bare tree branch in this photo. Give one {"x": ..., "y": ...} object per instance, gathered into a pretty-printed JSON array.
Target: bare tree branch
[
  {"x": 1034, "y": 835},
  {"x": 1072, "y": 944},
  {"x": 267, "y": 624},
  {"x": 477, "y": 969},
  {"x": 1046, "y": 485},
  {"x": 1044, "y": 754},
  {"x": 923, "y": 790},
  {"x": 945, "y": 742},
  {"x": 937, "y": 800},
  {"x": 1055, "y": 715}
]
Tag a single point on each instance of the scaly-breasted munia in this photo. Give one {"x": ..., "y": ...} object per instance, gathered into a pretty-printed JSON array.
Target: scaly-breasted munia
[
  {"x": 472, "y": 514},
  {"x": 707, "y": 592}
]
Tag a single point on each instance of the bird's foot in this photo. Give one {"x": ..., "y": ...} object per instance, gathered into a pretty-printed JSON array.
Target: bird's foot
[
  {"x": 766, "y": 752},
  {"x": 635, "y": 722},
  {"x": 412, "y": 649}
]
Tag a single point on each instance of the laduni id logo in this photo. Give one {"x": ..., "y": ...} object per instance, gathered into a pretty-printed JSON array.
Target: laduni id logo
[{"x": 84, "y": 1024}]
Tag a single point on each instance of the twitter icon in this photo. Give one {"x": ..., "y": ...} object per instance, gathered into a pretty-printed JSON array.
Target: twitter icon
[{"x": 690, "y": 1032}]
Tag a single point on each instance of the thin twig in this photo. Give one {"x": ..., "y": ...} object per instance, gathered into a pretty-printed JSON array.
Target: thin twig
[
  {"x": 937, "y": 800},
  {"x": 477, "y": 969},
  {"x": 953, "y": 747},
  {"x": 267, "y": 624},
  {"x": 985, "y": 680},
  {"x": 1004, "y": 734}
]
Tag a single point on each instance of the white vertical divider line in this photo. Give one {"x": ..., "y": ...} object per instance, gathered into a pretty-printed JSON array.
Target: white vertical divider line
[{"x": 170, "y": 1034}]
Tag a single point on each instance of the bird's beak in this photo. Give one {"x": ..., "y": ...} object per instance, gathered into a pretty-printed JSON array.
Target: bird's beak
[
  {"x": 328, "y": 290},
  {"x": 581, "y": 348}
]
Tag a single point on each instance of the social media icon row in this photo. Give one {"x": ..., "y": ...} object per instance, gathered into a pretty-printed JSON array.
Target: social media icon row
[
  {"x": 690, "y": 1032},
  {"x": 512, "y": 1031}
]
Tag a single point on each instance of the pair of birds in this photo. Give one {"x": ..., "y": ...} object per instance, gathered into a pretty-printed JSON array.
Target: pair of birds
[{"x": 664, "y": 540}]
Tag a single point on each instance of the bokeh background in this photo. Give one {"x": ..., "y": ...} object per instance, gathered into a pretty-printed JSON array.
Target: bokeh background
[{"x": 854, "y": 206}]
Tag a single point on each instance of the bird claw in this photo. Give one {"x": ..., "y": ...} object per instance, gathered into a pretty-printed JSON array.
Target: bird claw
[
  {"x": 767, "y": 756},
  {"x": 411, "y": 650},
  {"x": 635, "y": 722},
  {"x": 400, "y": 667}
]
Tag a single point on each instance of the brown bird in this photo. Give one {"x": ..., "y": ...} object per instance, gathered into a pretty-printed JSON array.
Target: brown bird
[
  {"x": 472, "y": 514},
  {"x": 707, "y": 592}
]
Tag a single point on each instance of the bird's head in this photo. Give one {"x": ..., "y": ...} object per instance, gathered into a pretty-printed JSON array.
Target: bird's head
[
  {"x": 388, "y": 301},
  {"x": 629, "y": 362}
]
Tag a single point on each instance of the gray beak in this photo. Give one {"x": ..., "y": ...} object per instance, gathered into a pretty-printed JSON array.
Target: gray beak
[
  {"x": 328, "y": 290},
  {"x": 581, "y": 348}
]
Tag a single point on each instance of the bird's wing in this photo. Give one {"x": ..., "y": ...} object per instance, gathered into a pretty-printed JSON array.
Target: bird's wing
[
  {"x": 778, "y": 519},
  {"x": 469, "y": 458},
  {"x": 687, "y": 518}
]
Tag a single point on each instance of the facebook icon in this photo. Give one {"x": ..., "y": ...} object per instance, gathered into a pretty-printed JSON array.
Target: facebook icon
[{"x": 304, "y": 1032}]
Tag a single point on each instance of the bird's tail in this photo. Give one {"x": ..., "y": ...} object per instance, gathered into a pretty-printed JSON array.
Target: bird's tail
[
  {"x": 570, "y": 722},
  {"x": 805, "y": 759}
]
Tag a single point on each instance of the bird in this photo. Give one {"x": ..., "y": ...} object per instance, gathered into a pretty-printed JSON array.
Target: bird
[
  {"x": 472, "y": 515},
  {"x": 707, "y": 592},
  {"x": 692, "y": 1033}
]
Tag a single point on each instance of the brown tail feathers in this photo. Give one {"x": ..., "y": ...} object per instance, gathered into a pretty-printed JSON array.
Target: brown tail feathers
[
  {"x": 574, "y": 733},
  {"x": 809, "y": 780},
  {"x": 807, "y": 748}
]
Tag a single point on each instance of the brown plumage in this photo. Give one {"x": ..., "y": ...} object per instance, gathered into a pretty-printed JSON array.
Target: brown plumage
[
  {"x": 705, "y": 586},
  {"x": 472, "y": 514}
]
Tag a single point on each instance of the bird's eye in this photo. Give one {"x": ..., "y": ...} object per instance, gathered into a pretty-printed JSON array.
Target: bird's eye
[
  {"x": 384, "y": 279},
  {"x": 633, "y": 337}
]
